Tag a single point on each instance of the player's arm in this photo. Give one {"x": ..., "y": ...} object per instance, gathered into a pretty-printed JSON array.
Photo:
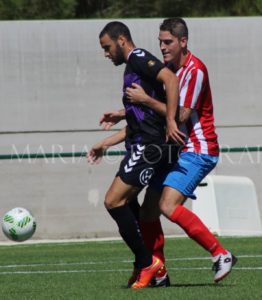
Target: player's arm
[
  {"x": 189, "y": 94},
  {"x": 171, "y": 83},
  {"x": 136, "y": 94},
  {"x": 95, "y": 155},
  {"x": 184, "y": 114},
  {"x": 110, "y": 119}
]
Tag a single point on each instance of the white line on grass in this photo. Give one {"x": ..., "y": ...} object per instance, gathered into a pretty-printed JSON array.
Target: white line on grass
[
  {"x": 116, "y": 270},
  {"x": 111, "y": 262},
  {"x": 114, "y": 239},
  {"x": 204, "y": 258}
]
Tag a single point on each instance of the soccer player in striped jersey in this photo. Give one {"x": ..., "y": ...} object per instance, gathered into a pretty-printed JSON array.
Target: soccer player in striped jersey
[{"x": 200, "y": 153}]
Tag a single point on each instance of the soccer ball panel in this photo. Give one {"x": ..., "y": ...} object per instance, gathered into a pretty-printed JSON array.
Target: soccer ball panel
[{"x": 18, "y": 224}]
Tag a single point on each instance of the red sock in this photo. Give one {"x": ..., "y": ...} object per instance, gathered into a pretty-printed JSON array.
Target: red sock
[
  {"x": 196, "y": 230},
  {"x": 153, "y": 237}
]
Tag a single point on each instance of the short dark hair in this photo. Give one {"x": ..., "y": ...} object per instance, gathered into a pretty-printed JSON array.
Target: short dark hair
[
  {"x": 176, "y": 26},
  {"x": 115, "y": 29}
]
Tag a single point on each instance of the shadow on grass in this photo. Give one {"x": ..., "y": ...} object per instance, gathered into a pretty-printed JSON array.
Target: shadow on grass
[{"x": 191, "y": 285}]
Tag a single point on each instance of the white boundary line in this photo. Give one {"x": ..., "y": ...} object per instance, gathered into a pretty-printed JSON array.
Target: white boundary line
[
  {"x": 66, "y": 241},
  {"x": 103, "y": 239},
  {"x": 117, "y": 270},
  {"x": 112, "y": 262}
]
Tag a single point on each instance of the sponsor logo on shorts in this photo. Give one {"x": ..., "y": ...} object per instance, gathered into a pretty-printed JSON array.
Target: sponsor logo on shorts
[{"x": 146, "y": 175}]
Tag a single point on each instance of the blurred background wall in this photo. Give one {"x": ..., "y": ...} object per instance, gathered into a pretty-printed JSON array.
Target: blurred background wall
[{"x": 54, "y": 86}]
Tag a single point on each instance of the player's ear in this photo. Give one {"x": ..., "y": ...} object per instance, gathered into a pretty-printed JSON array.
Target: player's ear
[
  {"x": 183, "y": 42},
  {"x": 121, "y": 40}
]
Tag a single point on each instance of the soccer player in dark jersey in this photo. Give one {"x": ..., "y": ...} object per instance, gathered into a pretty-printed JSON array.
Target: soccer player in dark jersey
[{"x": 144, "y": 137}]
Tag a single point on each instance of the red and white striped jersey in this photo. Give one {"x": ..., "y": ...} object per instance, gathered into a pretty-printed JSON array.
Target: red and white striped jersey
[{"x": 195, "y": 93}]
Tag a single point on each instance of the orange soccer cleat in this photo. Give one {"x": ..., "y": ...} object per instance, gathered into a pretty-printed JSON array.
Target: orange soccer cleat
[
  {"x": 146, "y": 274},
  {"x": 161, "y": 279}
]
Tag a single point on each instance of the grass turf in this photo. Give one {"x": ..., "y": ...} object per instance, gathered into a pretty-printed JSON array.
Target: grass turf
[{"x": 100, "y": 270}]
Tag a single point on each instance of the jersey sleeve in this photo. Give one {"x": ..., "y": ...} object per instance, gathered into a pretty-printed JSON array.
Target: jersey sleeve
[
  {"x": 145, "y": 64},
  {"x": 191, "y": 88}
]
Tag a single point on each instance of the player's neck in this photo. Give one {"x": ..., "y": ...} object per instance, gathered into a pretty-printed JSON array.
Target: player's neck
[
  {"x": 128, "y": 50},
  {"x": 180, "y": 62}
]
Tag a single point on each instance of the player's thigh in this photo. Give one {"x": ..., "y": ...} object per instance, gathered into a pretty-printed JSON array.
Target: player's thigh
[
  {"x": 119, "y": 193},
  {"x": 189, "y": 171}
]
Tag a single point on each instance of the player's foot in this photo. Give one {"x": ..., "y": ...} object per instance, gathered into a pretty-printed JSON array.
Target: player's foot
[
  {"x": 223, "y": 264},
  {"x": 133, "y": 277},
  {"x": 146, "y": 274},
  {"x": 161, "y": 279}
]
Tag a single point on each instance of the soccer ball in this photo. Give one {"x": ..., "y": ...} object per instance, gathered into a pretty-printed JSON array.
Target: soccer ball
[{"x": 18, "y": 224}]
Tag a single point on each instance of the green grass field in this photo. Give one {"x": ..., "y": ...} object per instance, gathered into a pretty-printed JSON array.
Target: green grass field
[{"x": 100, "y": 270}]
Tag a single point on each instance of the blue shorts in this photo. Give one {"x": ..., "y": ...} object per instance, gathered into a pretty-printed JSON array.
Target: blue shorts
[{"x": 186, "y": 174}]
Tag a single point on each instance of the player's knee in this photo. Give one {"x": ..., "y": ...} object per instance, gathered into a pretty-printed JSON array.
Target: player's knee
[
  {"x": 167, "y": 206},
  {"x": 113, "y": 201},
  {"x": 164, "y": 207},
  {"x": 109, "y": 202},
  {"x": 170, "y": 200}
]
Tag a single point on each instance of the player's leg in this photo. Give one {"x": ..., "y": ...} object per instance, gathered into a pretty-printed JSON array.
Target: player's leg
[
  {"x": 116, "y": 200},
  {"x": 180, "y": 184},
  {"x": 152, "y": 233},
  {"x": 133, "y": 175},
  {"x": 116, "y": 203},
  {"x": 149, "y": 213},
  {"x": 150, "y": 225},
  {"x": 135, "y": 207},
  {"x": 172, "y": 208}
]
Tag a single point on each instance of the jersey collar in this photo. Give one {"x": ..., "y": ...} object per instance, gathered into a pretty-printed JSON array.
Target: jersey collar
[
  {"x": 131, "y": 51},
  {"x": 184, "y": 65},
  {"x": 188, "y": 59}
]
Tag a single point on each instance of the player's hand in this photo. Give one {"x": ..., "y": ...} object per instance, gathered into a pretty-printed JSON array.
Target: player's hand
[
  {"x": 110, "y": 119},
  {"x": 136, "y": 94},
  {"x": 94, "y": 156},
  {"x": 174, "y": 134}
]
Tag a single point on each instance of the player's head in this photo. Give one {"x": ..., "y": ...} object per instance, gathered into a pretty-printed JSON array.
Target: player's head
[
  {"x": 114, "y": 37},
  {"x": 173, "y": 37}
]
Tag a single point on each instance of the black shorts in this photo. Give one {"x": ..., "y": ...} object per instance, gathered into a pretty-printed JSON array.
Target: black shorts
[{"x": 144, "y": 162}]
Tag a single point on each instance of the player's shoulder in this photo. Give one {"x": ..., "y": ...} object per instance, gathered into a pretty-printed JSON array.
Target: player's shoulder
[
  {"x": 141, "y": 60},
  {"x": 198, "y": 64},
  {"x": 140, "y": 53}
]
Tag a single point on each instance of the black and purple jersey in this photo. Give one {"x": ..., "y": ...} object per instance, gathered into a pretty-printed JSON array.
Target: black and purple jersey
[{"x": 145, "y": 126}]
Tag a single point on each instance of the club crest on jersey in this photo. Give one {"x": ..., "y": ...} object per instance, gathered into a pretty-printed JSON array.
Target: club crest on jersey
[
  {"x": 146, "y": 175},
  {"x": 139, "y": 52},
  {"x": 151, "y": 63}
]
